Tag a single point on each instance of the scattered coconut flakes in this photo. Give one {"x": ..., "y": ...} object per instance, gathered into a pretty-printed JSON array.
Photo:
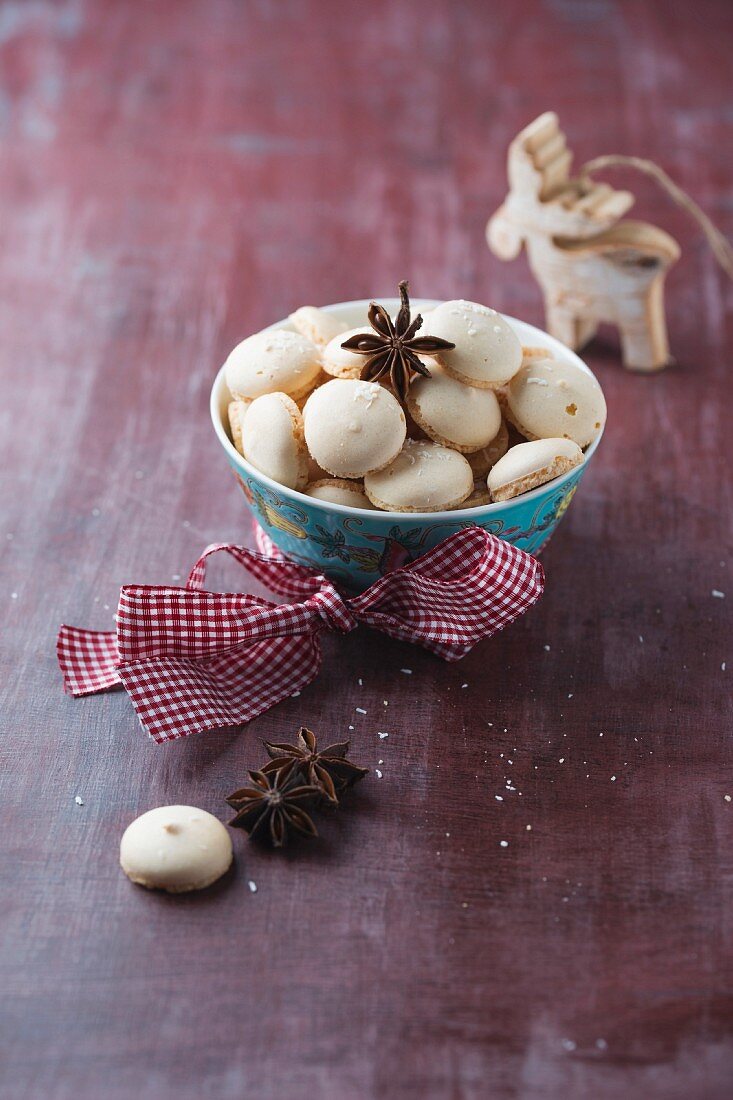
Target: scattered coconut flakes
[
  {"x": 382, "y": 736},
  {"x": 568, "y": 1044},
  {"x": 503, "y": 843},
  {"x": 546, "y": 648},
  {"x": 377, "y": 773},
  {"x": 718, "y": 594},
  {"x": 464, "y": 685},
  {"x": 726, "y": 797},
  {"x": 407, "y": 671},
  {"x": 613, "y": 778},
  {"x": 79, "y": 800},
  {"x": 360, "y": 710},
  {"x": 498, "y": 798},
  {"x": 367, "y": 391},
  {"x": 252, "y": 886}
]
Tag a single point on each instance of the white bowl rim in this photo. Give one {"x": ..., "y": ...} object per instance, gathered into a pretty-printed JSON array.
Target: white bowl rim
[{"x": 453, "y": 515}]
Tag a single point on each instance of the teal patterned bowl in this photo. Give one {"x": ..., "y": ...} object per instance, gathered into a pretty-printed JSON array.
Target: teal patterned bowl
[{"x": 355, "y": 547}]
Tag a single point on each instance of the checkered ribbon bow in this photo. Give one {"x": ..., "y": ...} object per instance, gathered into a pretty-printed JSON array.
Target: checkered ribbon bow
[{"x": 192, "y": 660}]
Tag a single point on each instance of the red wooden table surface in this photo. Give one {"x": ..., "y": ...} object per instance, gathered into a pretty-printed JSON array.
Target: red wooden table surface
[{"x": 173, "y": 177}]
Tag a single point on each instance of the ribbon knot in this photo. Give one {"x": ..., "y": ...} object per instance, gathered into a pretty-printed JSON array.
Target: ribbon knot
[
  {"x": 333, "y": 611},
  {"x": 191, "y": 659}
]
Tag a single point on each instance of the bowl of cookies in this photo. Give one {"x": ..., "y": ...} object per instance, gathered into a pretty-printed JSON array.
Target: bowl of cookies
[{"x": 363, "y": 434}]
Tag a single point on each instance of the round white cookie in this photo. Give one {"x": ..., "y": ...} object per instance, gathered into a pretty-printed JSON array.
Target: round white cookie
[
  {"x": 487, "y": 352},
  {"x": 482, "y": 461},
  {"x": 353, "y": 428},
  {"x": 175, "y": 848},
  {"x": 452, "y": 413},
  {"x": 340, "y": 362},
  {"x": 424, "y": 477},
  {"x": 273, "y": 362},
  {"x": 317, "y": 325},
  {"x": 336, "y": 490},
  {"x": 273, "y": 441},
  {"x": 529, "y": 465},
  {"x": 553, "y": 397}
]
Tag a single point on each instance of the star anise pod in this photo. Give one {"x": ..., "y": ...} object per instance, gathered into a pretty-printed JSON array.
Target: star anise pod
[
  {"x": 274, "y": 803},
  {"x": 394, "y": 348},
  {"x": 328, "y": 770}
]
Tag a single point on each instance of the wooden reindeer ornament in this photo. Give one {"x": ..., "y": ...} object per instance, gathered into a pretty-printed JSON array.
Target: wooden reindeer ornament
[{"x": 591, "y": 263}]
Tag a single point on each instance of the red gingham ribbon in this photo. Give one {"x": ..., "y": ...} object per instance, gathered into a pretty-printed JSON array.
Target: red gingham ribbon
[{"x": 192, "y": 660}]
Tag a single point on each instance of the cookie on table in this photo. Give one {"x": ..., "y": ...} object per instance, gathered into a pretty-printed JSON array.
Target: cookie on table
[
  {"x": 487, "y": 352},
  {"x": 175, "y": 848},
  {"x": 278, "y": 361},
  {"x": 451, "y": 413},
  {"x": 273, "y": 439},
  {"x": 353, "y": 428},
  {"x": 236, "y": 411},
  {"x": 529, "y": 465},
  {"x": 551, "y": 397},
  {"x": 338, "y": 490},
  {"x": 317, "y": 325},
  {"x": 424, "y": 477},
  {"x": 482, "y": 461}
]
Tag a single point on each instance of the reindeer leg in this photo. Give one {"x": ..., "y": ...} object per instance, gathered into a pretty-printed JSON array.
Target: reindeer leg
[
  {"x": 565, "y": 325},
  {"x": 644, "y": 341},
  {"x": 586, "y": 328}
]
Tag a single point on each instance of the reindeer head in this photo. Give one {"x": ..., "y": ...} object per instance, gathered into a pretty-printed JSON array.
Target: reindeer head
[{"x": 544, "y": 199}]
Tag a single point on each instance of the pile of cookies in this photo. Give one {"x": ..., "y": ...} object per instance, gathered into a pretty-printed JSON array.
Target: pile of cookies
[{"x": 488, "y": 419}]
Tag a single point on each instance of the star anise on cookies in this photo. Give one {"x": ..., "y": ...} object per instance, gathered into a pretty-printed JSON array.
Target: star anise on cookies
[
  {"x": 274, "y": 804},
  {"x": 394, "y": 348},
  {"x": 328, "y": 770}
]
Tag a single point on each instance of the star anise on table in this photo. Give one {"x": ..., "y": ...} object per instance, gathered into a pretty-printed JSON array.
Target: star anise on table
[
  {"x": 328, "y": 770},
  {"x": 394, "y": 348},
  {"x": 273, "y": 804}
]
